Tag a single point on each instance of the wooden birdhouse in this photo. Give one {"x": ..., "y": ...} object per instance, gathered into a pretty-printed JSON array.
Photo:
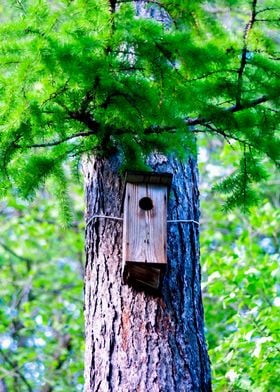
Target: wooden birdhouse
[{"x": 144, "y": 228}]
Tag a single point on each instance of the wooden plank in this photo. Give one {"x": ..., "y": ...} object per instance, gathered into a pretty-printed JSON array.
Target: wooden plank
[{"x": 144, "y": 232}]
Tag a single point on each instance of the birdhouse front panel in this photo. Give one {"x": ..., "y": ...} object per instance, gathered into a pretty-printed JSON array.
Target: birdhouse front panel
[
  {"x": 145, "y": 223},
  {"x": 144, "y": 228}
]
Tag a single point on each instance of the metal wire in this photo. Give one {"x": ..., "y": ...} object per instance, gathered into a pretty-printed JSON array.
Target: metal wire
[
  {"x": 121, "y": 219},
  {"x": 183, "y": 221}
]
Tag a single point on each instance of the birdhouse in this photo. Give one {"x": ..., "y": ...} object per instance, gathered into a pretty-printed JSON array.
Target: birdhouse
[{"x": 144, "y": 228}]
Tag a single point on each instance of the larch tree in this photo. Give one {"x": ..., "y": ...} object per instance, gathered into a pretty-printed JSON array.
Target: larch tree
[{"x": 100, "y": 82}]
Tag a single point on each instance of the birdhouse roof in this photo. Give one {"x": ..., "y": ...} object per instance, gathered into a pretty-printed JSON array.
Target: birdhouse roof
[{"x": 141, "y": 177}]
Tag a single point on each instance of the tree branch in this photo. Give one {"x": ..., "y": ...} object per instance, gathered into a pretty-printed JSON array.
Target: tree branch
[
  {"x": 55, "y": 94},
  {"x": 224, "y": 134},
  {"x": 231, "y": 109},
  {"x": 267, "y": 9},
  {"x": 57, "y": 142},
  {"x": 16, "y": 370},
  {"x": 210, "y": 73},
  {"x": 65, "y": 344},
  {"x": 25, "y": 259},
  {"x": 247, "y": 105},
  {"x": 85, "y": 117},
  {"x": 189, "y": 121},
  {"x": 243, "y": 61},
  {"x": 21, "y": 6},
  {"x": 267, "y": 20}
]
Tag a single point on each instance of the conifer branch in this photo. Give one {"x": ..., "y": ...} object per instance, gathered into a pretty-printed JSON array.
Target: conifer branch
[
  {"x": 225, "y": 135},
  {"x": 232, "y": 109},
  {"x": 158, "y": 129},
  {"x": 247, "y": 105},
  {"x": 21, "y": 6},
  {"x": 57, "y": 142},
  {"x": 210, "y": 73},
  {"x": 243, "y": 61},
  {"x": 267, "y": 9},
  {"x": 85, "y": 118},
  {"x": 55, "y": 94},
  {"x": 268, "y": 20}
]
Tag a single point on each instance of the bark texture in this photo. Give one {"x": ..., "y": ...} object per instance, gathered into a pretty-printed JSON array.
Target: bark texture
[{"x": 135, "y": 341}]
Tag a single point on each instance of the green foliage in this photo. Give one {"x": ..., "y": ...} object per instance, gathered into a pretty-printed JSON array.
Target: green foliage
[
  {"x": 239, "y": 184},
  {"x": 41, "y": 318},
  {"x": 243, "y": 298},
  {"x": 79, "y": 77},
  {"x": 240, "y": 264}
]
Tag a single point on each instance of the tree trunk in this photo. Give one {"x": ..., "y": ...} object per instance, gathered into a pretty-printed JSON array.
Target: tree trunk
[{"x": 135, "y": 341}]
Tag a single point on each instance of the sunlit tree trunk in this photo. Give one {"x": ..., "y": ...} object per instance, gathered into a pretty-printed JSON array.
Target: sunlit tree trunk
[{"x": 135, "y": 341}]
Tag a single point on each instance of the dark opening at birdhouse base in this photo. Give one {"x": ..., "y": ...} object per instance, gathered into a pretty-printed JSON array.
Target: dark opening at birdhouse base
[{"x": 143, "y": 275}]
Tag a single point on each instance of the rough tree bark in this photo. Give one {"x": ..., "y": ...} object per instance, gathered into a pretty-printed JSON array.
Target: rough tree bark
[{"x": 135, "y": 341}]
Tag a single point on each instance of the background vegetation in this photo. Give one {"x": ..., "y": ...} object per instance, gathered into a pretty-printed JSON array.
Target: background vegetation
[
  {"x": 241, "y": 275},
  {"x": 41, "y": 295}
]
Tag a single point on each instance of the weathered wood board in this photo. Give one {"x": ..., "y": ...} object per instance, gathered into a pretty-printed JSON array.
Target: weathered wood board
[{"x": 144, "y": 231}]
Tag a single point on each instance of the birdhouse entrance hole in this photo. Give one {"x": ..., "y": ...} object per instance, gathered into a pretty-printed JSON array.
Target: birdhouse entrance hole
[{"x": 146, "y": 203}]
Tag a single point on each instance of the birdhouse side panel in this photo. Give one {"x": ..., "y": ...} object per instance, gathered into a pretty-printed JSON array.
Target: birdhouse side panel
[{"x": 144, "y": 238}]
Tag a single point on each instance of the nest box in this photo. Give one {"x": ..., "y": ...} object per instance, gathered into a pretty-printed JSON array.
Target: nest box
[{"x": 144, "y": 228}]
